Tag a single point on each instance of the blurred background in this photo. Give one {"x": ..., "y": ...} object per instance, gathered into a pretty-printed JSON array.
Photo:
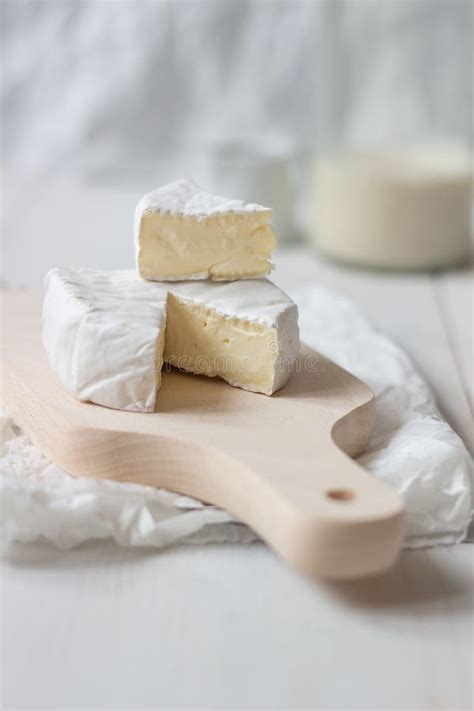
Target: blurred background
[{"x": 103, "y": 100}]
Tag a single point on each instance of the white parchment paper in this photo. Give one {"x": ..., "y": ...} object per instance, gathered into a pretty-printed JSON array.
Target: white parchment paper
[{"x": 412, "y": 448}]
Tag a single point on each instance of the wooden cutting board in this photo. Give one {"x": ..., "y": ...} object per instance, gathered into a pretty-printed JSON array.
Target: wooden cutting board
[{"x": 271, "y": 461}]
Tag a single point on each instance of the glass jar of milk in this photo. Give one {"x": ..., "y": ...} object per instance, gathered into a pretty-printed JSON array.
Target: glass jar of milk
[{"x": 392, "y": 183}]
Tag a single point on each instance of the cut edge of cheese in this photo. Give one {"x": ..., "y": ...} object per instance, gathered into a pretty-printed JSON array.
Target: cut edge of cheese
[
  {"x": 182, "y": 232},
  {"x": 246, "y": 353}
]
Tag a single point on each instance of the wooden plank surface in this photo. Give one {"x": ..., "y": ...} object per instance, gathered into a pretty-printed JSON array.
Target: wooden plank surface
[
  {"x": 230, "y": 627},
  {"x": 455, "y": 293}
]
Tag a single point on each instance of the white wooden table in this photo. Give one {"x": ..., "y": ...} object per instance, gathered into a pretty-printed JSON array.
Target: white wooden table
[{"x": 230, "y": 627}]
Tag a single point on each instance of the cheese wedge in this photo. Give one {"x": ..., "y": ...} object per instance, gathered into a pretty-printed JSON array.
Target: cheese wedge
[
  {"x": 107, "y": 334},
  {"x": 182, "y": 232}
]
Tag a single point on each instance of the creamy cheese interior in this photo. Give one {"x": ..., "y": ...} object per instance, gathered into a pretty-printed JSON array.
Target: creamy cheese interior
[
  {"x": 221, "y": 247},
  {"x": 201, "y": 340}
]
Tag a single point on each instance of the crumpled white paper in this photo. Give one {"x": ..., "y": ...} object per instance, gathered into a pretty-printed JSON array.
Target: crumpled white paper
[{"x": 412, "y": 449}]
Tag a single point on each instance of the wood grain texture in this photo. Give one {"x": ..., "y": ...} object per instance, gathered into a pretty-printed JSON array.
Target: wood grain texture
[
  {"x": 228, "y": 627},
  {"x": 455, "y": 292},
  {"x": 272, "y": 462}
]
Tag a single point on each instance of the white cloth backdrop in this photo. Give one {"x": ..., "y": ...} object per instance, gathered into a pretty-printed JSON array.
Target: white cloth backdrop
[{"x": 94, "y": 86}]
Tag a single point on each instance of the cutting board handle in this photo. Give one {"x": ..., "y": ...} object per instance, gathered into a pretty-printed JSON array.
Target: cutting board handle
[
  {"x": 340, "y": 523},
  {"x": 330, "y": 518}
]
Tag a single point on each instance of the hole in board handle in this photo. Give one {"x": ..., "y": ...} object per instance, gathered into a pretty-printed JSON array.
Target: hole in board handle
[{"x": 340, "y": 494}]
